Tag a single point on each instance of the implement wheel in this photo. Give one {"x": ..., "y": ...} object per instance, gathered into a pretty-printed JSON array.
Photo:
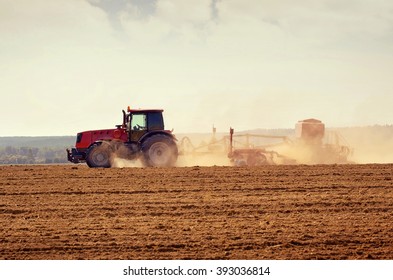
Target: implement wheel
[{"x": 256, "y": 159}]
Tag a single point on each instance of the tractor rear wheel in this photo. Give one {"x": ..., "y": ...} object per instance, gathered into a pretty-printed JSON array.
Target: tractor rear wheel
[
  {"x": 99, "y": 155},
  {"x": 159, "y": 150}
]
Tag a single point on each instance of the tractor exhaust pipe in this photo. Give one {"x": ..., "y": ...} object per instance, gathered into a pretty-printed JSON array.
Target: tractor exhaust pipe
[
  {"x": 231, "y": 131},
  {"x": 124, "y": 119}
]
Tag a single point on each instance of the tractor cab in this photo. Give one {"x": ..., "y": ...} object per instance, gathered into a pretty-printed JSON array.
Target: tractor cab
[{"x": 138, "y": 122}]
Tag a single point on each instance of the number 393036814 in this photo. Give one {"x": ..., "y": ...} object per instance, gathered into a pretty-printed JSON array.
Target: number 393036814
[{"x": 233, "y": 270}]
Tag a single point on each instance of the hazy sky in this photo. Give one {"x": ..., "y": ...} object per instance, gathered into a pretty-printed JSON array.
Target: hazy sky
[{"x": 69, "y": 66}]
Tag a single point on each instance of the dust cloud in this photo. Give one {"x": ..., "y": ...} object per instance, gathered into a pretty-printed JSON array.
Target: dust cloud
[
  {"x": 195, "y": 150},
  {"x": 359, "y": 145},
  {"x": 203, "y": 160},
  {"x": 371, "y": 144},
  {"x": 200, "y": 149},
  {"x": 118, "y": 162},
  {"x": 122, "y": 157},
  {"x": 301, "y": 154},
  {"x": 182, "y": 161}
]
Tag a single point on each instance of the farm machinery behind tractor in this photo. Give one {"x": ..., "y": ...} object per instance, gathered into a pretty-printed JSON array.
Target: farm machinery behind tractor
[
  {"x": 316, "y": 145},
  {"x": 140, "y": 136},
  {"x": 312, "y": 144},
  {"x": 252, "y": 154}
]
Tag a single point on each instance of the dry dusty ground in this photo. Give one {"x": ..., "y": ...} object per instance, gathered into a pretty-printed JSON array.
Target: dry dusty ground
[{"x": 270, "y": 212}]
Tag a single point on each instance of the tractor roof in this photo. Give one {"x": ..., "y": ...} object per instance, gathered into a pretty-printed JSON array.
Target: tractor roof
[{"x": 143, "y": 110}]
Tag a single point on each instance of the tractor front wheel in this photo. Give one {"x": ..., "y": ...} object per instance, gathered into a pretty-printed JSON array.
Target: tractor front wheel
[{"x": 99, "y": 155}]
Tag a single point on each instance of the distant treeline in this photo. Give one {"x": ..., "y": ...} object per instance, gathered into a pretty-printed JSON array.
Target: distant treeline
[
  {"x": 38, "y": 141},
  {"x": 34, "y": 150},
  {"x": 29, "y": 155}
]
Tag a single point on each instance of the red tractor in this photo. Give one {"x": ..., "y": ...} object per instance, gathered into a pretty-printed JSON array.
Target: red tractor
[{"x": 140, "y": 136}]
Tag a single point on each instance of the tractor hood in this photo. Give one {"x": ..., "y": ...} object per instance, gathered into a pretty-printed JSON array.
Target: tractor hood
[{"x": 86, "y": 138}]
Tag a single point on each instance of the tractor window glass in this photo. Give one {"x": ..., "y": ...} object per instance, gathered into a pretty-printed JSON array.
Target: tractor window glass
[
  {"x": 155, "y": 121},
  {"x": 138, "y": 122}
]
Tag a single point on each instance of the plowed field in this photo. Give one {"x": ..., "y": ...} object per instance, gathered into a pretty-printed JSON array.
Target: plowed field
[{"x": 269, "y": 212}]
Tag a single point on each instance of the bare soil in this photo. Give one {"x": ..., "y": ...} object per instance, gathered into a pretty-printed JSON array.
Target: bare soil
[{"x": 268, "y": 212}]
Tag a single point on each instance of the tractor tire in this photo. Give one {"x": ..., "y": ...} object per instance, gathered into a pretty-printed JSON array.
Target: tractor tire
[
  {"x": 159, "y": 150},
  {"x": 99, "y": 155}
]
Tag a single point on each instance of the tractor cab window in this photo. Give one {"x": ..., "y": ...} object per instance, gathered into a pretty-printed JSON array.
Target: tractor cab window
[
  {"x": 155, "y": 121},
  {"x": 138, "y": 122}
]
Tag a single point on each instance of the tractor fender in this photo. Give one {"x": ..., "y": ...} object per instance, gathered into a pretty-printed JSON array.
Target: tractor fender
[
  {"x": 162, "y": 132},
  {"x": 100, "y": 142}
]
